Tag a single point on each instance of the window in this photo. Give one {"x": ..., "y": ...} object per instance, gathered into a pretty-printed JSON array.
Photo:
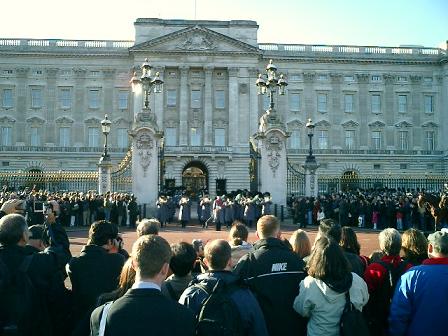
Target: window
[
  {"x": 5, "y": 163},
  {"x": 196, "y": 99},
  {"x": 322, "y": 77},
  {"x": 295, "y": 77},
  {"x": 94, "y": 135},
  {"x": 195, "y": 136},
  {"x": 323, "y": 139},
  {"x": 403, "y": 142},
  {"x": 429, "y": 104},
  {"x": 376, "y": 166},
  {"x": 403, "y": 166},
  {"x": 376, "y": 78},
  {"x": 171, "y": 98},
  {"x": 122, "y": 138},
  {"x": 94, "y": 73},
  {"x": 430, "y": 141},
  {"x": 427, "y": 80},
  {"x": 65, "y": 98},
  {"x": 34, "y": 136},
  {"x": 322, "y": 102},
  {"x": 376, "y": 139},
  {"x": 94, "y": 98},
  {"x": 220, "y": 137},
  {"x": 64, "y": 136},
  {"x": 294, "y": 101},
  {"x": 349, "y": 78},
  {"x": 123, "y": 99},
  {"x": 294, "y": 140},
  {"x": 376, "y": 103},
  {"x": 349, "y": 139},
  {"x": 402, "y": 79},
  {"x": 36, "y": 98},
  {"x": 348, "y": 103},
  {"x": 5, "y": 136},
  {"x": 7, "y": 99},
  {"x": 8, "y": 72},
  {"x": 266, "y": 102},
  {"x": 171, "y": 136},
  {"x": 430, "y": 166},
  {"x": 402, "y": 103},
  {"x": 220, "y": 99}
]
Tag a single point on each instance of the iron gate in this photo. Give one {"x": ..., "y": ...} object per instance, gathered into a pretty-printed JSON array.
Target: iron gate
[
  {"x": 295, "y": 181},
  {"x": 121, "y": 179},
  {"x": 253, "y": 167}
]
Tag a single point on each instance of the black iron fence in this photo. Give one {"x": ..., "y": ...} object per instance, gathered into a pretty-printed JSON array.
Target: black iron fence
[{"x": 329, "y": 184}]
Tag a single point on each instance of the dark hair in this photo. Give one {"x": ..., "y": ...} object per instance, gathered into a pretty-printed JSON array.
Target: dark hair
[
  {"x": 217, "y": 253},
  {"x": 101, "y": 232},
  {"x": 12, "y": 228},
  {"x": 349, "y": 241},
  {"x": 328, "y": 227},
  {"x": 238, "y": 233},
  {"x": 183, "y": 258},
  {"x": 327, "y": 261}
]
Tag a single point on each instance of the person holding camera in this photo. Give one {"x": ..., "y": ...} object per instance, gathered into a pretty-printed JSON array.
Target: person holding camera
[{"x": 95, "y": 271}]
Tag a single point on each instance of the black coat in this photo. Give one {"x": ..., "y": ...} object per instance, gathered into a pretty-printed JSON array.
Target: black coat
[
  {"x": 145, "y": 312},
  {"x": 274, "y": 273},
  {"x": 44, "y": 272},
  {"x": 92, "y": 273}
]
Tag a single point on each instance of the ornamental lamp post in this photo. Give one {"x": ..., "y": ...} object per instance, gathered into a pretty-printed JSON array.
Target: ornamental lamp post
[
  {"x": 148, "y": 82},
  {"x": 105, "y": 126},
  {"x": 310, "y": 131},
  {"x": 271, "y": 83}
]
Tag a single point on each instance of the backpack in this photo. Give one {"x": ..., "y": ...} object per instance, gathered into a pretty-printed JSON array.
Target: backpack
[
  {"x": 219, "y": 315},
  {"x": 19, "y": 300},
  {"x": 377, "y": 309},
  {"x": 352, "y": 321}
]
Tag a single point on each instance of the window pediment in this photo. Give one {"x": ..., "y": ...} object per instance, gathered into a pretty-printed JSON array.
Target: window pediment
[{"x": 350, "y": 123}]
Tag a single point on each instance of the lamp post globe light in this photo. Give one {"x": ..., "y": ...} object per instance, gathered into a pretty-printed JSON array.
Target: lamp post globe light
[
  {"x": 271, "y": 83},
  {"x": 105, "y": 127},
  {"x": 148, "y": 82},
  {"x": 310, "y": 131}
]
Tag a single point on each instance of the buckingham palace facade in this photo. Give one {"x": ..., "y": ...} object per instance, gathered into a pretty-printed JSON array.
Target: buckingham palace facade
[{"x": 377, "y": 110}]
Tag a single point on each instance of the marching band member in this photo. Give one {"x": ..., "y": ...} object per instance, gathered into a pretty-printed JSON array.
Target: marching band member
[
  {"x": 206, "y": 210},
  {"x": 266, "y": 204}
]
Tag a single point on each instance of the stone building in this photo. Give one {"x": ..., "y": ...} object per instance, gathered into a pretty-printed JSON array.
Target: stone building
[{"x": 377, "y": 110}]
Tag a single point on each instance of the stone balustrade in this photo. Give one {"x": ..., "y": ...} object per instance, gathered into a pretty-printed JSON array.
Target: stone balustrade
[{"x": 25, "y": 44}]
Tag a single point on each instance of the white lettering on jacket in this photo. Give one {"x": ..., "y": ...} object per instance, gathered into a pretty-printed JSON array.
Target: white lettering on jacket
[{"x": 279, "y": 267}]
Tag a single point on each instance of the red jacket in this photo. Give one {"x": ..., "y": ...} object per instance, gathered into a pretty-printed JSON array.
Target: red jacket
[{"x": 375, "y": 273}]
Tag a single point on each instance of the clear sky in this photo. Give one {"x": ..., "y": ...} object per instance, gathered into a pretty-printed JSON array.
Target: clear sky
[{"x": 352, "y": 22}]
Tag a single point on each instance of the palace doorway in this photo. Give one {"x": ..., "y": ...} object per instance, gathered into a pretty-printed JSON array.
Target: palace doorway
[{"x": 195, "y": 179}]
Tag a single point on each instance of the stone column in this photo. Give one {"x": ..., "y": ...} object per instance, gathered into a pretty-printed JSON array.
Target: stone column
[
  {"x": 388, "y": 110},
  {"x": 415, "y": 111},
  {"x": 51, "y": 105},
  {"x": 80, "y": 105},
  {"x": 253, "y": 103},
  {"x": 233, "y": 106},
  {"x": 273, "y": 165},
  {"x": 22, "y": 102},
  {"x": 363, "y": 80},
  {"x": 104, "y": 175},
  {"x": 183, "y": 106},
  {"x": 335, "y": 115},
  {"x": 145, "y": 164},
  {"x": 158, "y": 99},
  {"x": 309, "y": 95},
  {"x": 208, "y": 107}
]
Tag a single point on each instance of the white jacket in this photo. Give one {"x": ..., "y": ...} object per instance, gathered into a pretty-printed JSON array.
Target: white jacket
[{"x": 324, "y": 306}]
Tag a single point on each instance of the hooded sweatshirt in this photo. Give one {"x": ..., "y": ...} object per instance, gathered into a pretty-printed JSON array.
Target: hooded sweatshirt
[{"x": 323, "y": 302}]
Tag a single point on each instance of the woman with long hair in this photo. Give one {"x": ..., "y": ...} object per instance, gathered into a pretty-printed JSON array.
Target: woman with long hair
[
  {"x": 300, "y": 243},
  {"x": 322, "y": 295}
]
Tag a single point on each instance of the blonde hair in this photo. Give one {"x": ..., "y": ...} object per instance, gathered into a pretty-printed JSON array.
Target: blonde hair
[
  {"x": 268, "y": 226},
  {"x": 300, "y": 243}
]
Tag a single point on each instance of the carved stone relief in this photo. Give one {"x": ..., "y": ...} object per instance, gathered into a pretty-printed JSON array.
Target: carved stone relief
[
  {"x": 197, "y": 41},
  {"x": 144, "y": 146},
  {"x": 274, "y": 148}
]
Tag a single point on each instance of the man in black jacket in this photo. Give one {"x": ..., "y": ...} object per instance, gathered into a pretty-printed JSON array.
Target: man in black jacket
[
  {"x": 274, "y": 273},
  {"x": 143, "y": 310},
  {"x": 94, "y": 272},
  {"x": 43, "y": 268}
]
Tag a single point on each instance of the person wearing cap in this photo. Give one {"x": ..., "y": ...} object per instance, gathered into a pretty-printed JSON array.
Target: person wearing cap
[{"x": 419, "y": 306}]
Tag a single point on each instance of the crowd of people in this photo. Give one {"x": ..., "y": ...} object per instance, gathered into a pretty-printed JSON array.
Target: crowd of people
[{"x": 273, "y": 286}]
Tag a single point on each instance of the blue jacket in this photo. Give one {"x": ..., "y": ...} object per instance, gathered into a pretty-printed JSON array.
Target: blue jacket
[
  {"x": 419, "y": 305},
  {"x": 251, "y": 315}
]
